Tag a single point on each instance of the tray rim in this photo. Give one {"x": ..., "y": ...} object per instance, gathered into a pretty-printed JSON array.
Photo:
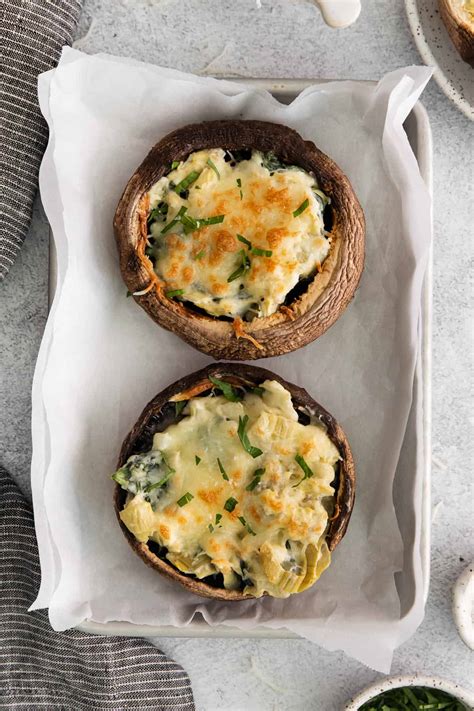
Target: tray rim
[{"x": 423, "y": 151}]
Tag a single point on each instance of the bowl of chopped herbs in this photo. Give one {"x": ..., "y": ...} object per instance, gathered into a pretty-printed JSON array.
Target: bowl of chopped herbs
[{"x": 412, "y": 693}]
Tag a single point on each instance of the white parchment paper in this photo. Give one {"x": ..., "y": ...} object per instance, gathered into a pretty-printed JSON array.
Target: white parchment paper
[{"x": 102, "y": 358}]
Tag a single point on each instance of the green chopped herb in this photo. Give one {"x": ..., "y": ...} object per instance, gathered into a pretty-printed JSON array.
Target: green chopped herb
[
  {"x": 226, "y": 389},
  {"x": 184, "y": 184},
  {"x": 415, "y": 698},
  {"x": 213, "y": 167},
  {"x": 179, "y": 407},
  {"x": 185, "y": 499},
  {"x": 301, "y": 208},
  {"x": 244, "y": 265},
  {"x": 218, "y": 518},
  {"x": 230, "y": 504},
  {"x": 211, "y": 527},
  {"x": 253, "y": 451},
  {"x": 257, "y": 390},
  {"x": 175, "y": 164},
  {"x": 247, "y": 526},
  {"x": 245, "y": 241},
  {"x": 174, "y": 292},
  {"x": 158, "y": 212},
  {"x": 261, "y": 252},
  {"x": 121, "y": 476},
  {"x": 257, "y": 475},
  {"x": 222, "y": 470},
  {"x": 177, "y": 219},
  {"x": 308, "y": 472},
  {"x": 162, "y": 481},
  {"x": 197, "y": 459},
  {"x": 191, "y": 224},
  {"x": 239, "y": 185},
  {"x": 200, "y": 254},
  {"x": 129, "y": 293}
]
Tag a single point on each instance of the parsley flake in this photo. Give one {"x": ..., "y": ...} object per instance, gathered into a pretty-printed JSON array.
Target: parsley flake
[
  {"x": 230, "y": 504},
  {"x": 222, "y": 470},
  {"x": 185, "y": 499},
  {"x": 301, "y": 208},
  {"x": 253, "y": 451},
  {"x": 226, "y": 389}
]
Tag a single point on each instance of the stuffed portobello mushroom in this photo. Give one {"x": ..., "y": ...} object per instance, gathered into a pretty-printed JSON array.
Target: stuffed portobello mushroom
[
  {"x": 241, "y": 237},
  {"x": 236, "y": 484}
]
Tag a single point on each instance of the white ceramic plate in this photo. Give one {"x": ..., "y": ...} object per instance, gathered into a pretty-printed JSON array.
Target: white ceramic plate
[{"x": 454, "y": 75}]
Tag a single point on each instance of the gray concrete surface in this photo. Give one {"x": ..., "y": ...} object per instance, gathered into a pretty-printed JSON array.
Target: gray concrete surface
[{"x": 287, "y": 38}]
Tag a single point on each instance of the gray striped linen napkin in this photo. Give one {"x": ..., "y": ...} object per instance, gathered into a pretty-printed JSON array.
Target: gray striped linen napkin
[
  {"x": 44, "y": 669},
  {"x": 32, "y": 33}
]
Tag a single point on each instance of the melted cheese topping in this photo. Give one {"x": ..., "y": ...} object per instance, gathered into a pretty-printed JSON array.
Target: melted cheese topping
[
  {"x": 257, "y": 203},
  {"x": 265, "y": 528}
]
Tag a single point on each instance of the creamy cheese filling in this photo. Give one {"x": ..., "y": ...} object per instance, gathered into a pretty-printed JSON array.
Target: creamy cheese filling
[
  {"x": 234, "y": 237},
  {"x": 237, "y": 488}
]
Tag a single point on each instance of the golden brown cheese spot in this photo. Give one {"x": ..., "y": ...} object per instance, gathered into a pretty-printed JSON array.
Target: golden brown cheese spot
[
  {"x": 164, "y": 531},
  {"x": 276, "y": 236},
  {"x": 187, "y": 275},
  {"x": 272, "y": 500},
  {"x": 279, "y": 198},
  {"x": 173, "y": 271},
  {"x": 210, "y": 496},
  {"x": 306, "y": 447},
  {"x": 224, "y": 241},
  {"x": 218, "y": 288},
  {"x": 236, "y": 474}
]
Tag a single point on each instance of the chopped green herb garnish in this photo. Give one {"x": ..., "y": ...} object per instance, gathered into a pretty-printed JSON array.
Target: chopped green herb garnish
[
  {"x": 191, "y": 224},
  {"x": 257, "y": 475},
  {"x": 162, "y": 481},
  {"x": 245, "y": 241},
  {"x": 261, "y": 252},
  {"x": 218, "y": 518},
  {"x": 414, "y": 698},
  {"x": 185, "y": 499},
  {"x": 222, "y": 470},
  {"x": 179, "y": 407},
  {"x": 184, "y": 184},
  {"x": 301, "y": 208},
  {"x": 253, "y": 451},
  {"x": 245, "y": 264},
  {"x": 257, "y": 390},
  {"x": 213, "y": 167},
  {"x": 247, "y": 526},
  {"x": 121, "y": 476},
  {"x": 200, "y": 254},
  {"x": 239, "y": 185},
  {"x": 211, "y": 528},
  {"x": 308, "y": 472},
  {"x": 177, "y": 219},
  {"x": 197, "y": 459},
  {"x": 158, "y": 212},
  {"x": 175, "y": 164},
  {"x": 226, "y": 389},
  {"x": 129, "y": 293},
  {"x": 230, "y": 504},
  {"x": 174, "y": 292}
]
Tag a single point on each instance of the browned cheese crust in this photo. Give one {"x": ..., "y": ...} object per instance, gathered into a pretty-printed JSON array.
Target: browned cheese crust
[
  {"x": 151, "y": 421},
  {"x": 293, "y": 325}
]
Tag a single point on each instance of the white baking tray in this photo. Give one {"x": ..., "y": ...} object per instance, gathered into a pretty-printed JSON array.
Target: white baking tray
[{"x": 418, "y": 130}]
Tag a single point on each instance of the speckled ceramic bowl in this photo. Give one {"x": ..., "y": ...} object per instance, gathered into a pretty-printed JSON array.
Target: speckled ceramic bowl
[
  {"x": 454, "y": 76},
  {"x": 394, "y": 682}
]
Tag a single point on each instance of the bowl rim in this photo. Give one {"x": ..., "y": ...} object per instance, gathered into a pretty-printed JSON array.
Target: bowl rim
[{"x": 394, "y": 682}]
